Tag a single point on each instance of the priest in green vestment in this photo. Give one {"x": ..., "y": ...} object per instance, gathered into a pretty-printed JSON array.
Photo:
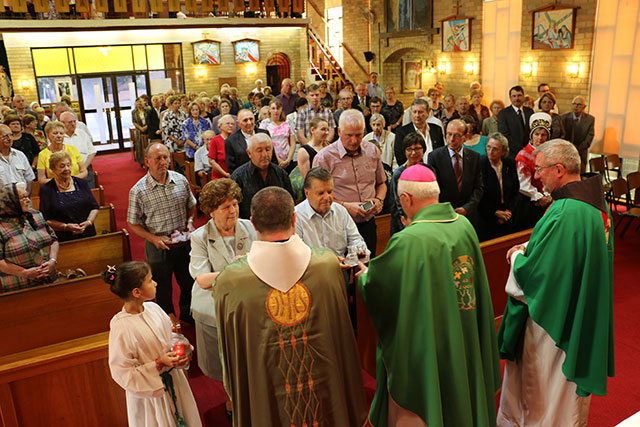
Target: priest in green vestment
[
  {"x": 428, "y": 297},
  {"x": 287, "y": 347},
  {"x": 557, "y": 330}
]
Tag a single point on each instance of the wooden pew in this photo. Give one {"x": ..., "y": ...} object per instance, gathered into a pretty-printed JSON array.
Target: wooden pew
[
  {"x": 67, "y": 383},
  {"x": 93, "y": 254},
  {"x": 49, "y": 314},
  {"x": 54, "y": 357},
  {"x": 106, "y": 220},
  {"x": 494, "y": 255},
  {"x": 98, "y": 193}
]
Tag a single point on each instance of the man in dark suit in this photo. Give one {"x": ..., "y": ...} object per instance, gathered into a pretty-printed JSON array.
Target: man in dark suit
[
  {"x": 361, "y": 99},
  {"x": 458, "y": 171},
  {"x": 513, "y": 121},
  {"x": 235, "y": 147},
  {"x": 578, "y": 128},
  {"x": 431, "y": 133},
  {"x": 153, "y": 120}
]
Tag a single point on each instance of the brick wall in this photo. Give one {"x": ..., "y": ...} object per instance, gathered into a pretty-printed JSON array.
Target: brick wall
[
  {"x": 291, "y": 41},
  {"x": 551, "y": 66}
]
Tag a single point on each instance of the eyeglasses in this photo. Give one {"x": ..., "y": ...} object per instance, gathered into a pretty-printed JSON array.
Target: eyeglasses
[
  {"x": 5, "y": 135},
  {"x": 538, "y": 169},
  {"x": 25, "y": 197},
  {"x": 413, "y": 150},
  {"x": 454, "y": 135}
]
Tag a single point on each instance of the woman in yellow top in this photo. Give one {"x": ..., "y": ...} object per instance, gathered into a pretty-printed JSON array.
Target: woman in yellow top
[{"x": 55, "y": 134}]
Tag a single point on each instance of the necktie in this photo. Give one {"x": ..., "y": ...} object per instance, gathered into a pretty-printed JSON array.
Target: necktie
[
  {"x": 457, "y": 168},
  {"x": 521, "y": 118}
]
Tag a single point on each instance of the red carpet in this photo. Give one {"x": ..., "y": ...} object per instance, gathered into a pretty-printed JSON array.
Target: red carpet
[{"x": 118, "y": 172}]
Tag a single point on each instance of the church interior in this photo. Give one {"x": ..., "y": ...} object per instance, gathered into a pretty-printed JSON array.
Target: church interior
[{"x": 108, "y": 58}]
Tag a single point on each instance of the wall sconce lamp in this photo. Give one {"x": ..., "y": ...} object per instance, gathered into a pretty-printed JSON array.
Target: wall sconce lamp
[
  {"x": 430, "y": 67},
  {"x": 26, "y": 84},
  {"x": 529, "y": 69},
  {"x": 201, "y": 72},
  {"x": 471, "y": 68},
  {"x": 444, "y": 67},
  {"x": 573, "y": 69},
  {"x": 251, "y": 69}
]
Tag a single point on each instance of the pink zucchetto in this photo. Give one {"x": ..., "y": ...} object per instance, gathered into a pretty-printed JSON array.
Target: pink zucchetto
[{"x": 418, "y": 173}]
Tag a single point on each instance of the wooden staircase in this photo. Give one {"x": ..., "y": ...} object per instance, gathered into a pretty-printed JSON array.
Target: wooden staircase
[{"x": 324, "y": 65}]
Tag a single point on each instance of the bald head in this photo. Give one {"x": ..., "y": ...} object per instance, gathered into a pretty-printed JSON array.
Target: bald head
[
  {"x": 578, "y": 105},
  {"x": 70, "y": 122}
]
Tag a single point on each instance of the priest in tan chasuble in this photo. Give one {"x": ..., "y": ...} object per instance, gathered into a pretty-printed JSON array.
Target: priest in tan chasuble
[{"x": 286, "y": 343}]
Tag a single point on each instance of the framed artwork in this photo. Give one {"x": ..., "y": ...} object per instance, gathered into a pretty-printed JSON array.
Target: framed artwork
[
  {"x": 553, "y": 28},
  {"x": 246, "y": 50},
  {"x": 411, "y": 76},
  {"x": 456, "y": 34},
  {"x": 206, "y": 52},
  {"x": 63, "y": 87}
]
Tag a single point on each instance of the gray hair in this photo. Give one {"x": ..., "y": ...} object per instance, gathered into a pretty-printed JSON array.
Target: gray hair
[
  {"x": 377, "y": 117},
  {"x": 419, "y": 190},
  {"x": 420, "y": 101},
  {"x": 504, "y": 142},
  {"x": 560, "y": 151},
  {"x": 224, "y": 118},
  {"x": 258, "y": 138},
  {"x": 351, "y": 117}
]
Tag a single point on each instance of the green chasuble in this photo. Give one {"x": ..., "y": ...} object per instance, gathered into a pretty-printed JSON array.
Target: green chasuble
[
  {"x": 429, "y": 300},
  {"x": 289, "y": 358},
  {"x": 566, "y": 275}
]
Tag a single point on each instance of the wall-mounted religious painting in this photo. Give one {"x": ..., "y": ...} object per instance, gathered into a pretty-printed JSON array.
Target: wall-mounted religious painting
[
  {"x": 553, "y": 27},
  {"x": 456, "y": 34},
  {"x": 411, "y": 76},
  {"x": 206, "y": 52},
  {"x": 246, "y": 50}
]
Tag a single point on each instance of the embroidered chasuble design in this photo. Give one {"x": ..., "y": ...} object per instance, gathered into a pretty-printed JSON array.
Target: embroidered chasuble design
[
  {"x": 289, "y": 312},
  {"x": 463, "y": 273}
]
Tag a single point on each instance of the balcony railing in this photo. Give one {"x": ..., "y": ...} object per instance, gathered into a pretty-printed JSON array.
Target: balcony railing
[{"x": 123, "y": 9}]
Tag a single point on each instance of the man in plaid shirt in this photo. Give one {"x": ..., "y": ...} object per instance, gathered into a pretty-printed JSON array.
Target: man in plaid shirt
[
  {"x": 311, "y": 111},
  {"x": 161, "y": 203}
]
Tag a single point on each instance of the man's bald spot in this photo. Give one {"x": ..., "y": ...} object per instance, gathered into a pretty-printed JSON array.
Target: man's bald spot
[
  {"x": 67, "y": 115},
  {"x": 155, "y": 147},
  {"x": 6, "y": 128}
]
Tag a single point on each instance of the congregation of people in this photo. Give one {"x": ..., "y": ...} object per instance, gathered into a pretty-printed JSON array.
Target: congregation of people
[{"x": 291, "y": 186}]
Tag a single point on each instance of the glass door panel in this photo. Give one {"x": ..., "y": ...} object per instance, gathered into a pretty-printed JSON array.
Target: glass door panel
[{"x": 97, "y": 99}]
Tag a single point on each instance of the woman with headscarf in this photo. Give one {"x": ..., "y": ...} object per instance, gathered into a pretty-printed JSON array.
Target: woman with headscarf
[
  {"x": 534, "y": 200},
  {"x": 28, "y": 246}
]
